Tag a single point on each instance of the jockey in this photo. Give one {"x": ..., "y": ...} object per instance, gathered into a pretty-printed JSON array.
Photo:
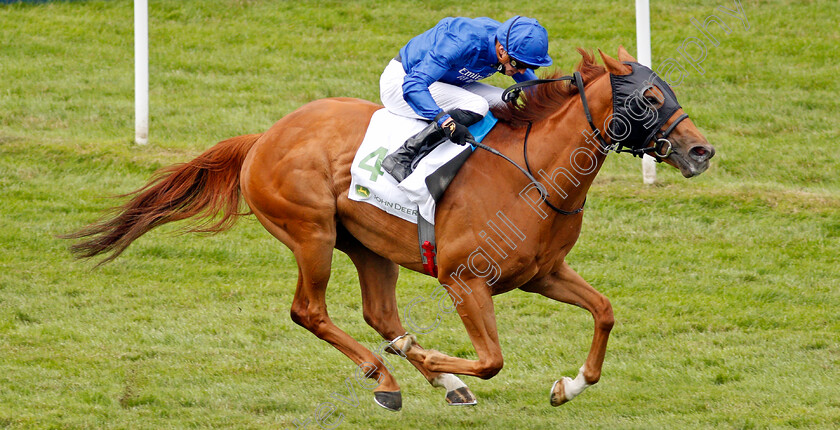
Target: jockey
[{"x": 434, "y": 78}]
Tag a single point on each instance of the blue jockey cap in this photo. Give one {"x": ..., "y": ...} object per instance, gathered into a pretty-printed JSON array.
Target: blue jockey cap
[{"x": 525, "y": 40}]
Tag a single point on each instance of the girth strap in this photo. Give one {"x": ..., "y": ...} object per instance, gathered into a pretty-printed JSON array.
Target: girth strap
[{"x": 428, "y": 247}]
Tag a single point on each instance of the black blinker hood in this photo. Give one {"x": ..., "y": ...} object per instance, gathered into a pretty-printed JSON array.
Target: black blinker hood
[{"x": 636, "y": 121}]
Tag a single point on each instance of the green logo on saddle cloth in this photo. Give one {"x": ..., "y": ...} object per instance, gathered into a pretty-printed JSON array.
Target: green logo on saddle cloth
[{"x": 362, "y": 191}]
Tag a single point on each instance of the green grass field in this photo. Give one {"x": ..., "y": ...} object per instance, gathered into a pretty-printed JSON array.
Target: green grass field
[{"x": 725, "y": 287}]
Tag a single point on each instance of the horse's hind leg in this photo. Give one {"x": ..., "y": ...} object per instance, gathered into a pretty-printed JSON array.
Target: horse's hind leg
[
  {"x": 288, "y": 181},
  {"x": 312, "y": 244},
  {"x": 378, "y": 279},
  {"x": 567, "y": 286}
]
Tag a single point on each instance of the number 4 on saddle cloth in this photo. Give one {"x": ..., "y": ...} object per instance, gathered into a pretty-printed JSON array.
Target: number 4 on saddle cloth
[{"x": 414, "y": 198}]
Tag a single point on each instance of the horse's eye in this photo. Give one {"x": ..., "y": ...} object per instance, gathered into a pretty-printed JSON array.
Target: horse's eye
[{"x": 654, "y": 101}]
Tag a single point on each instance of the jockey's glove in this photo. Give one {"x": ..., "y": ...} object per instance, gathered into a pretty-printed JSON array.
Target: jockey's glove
[{"x": 454, "y": 131}]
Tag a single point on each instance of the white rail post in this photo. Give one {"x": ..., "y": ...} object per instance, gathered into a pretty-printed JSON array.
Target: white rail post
[
  {"x": 141, "y": 72},
  {"x": 643, "y": 54}
]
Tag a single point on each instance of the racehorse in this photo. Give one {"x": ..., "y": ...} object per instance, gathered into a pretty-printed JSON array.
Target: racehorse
[{"x": 497, "y": 230}]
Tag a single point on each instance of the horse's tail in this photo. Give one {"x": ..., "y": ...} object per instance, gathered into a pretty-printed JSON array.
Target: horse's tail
[{"x": 201, "y": 188}]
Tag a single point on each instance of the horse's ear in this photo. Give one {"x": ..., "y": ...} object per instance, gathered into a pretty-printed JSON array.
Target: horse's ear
[
  {"x": 623, "y": 55},
  {"x": 614, "y": 66}
]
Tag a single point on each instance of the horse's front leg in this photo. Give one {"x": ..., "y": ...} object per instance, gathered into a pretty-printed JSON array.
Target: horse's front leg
[
  {"x": 378, "y": 279},
  {"x": 567, "y": 286},
  {"x": 475, "y": 307}
]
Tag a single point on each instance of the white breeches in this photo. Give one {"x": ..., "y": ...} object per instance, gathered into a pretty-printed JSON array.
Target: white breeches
[{"x": 475, "y": 97}]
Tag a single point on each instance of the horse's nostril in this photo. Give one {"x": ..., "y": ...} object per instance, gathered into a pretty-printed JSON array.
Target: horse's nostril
[{"x": 701, "y": 153}]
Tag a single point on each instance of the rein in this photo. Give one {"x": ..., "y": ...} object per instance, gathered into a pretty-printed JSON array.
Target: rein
[
  {"x": 529, "y": 175},
  {"x": 661, "y": 150},
  {"x": 509, "y": 95}
]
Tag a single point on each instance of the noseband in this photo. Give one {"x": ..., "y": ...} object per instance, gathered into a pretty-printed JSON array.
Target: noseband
[{"x": 662, "y": 140}]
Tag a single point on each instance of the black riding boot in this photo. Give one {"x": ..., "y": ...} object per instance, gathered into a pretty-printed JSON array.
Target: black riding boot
[{"x": 398, "y": 163}]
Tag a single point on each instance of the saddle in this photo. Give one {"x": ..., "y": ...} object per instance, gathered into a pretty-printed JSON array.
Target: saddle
[{"x": 414, "y": 199}]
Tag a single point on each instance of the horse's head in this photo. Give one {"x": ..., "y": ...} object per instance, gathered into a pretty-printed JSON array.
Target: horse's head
[{"x": 648, "y": 119}]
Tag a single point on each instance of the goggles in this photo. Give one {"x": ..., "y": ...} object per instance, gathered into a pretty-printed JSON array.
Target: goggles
[{"x": 519, "y": 65}]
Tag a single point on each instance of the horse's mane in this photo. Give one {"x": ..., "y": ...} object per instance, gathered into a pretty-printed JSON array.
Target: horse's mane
[{"x": 543, "y": 100}]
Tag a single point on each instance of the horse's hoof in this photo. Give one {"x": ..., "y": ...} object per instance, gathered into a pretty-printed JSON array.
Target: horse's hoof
[
  {"x": 461, "y": 397},
  {"x": 390, "y": 400},
  {"x": 558, "y": 393}
]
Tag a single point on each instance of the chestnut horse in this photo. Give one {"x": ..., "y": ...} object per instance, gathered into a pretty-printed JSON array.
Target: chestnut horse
[{"x": 495, "y": 233}]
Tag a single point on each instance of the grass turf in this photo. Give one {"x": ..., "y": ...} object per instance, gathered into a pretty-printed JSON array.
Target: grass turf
[{"x": 725, "y": 287}]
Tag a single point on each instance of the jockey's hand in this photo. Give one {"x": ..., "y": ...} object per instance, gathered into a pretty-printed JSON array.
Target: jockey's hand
[{"x": 457, "y": 133}]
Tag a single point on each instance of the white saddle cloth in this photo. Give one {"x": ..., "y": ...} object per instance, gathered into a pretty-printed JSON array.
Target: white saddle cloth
[{"x": 370, "y": 184}]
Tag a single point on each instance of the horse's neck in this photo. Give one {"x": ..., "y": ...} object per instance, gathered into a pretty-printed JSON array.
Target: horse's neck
[{"x": 567, "y": 155}]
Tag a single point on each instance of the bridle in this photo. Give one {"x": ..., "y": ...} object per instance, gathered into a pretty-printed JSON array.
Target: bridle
[{"x": 661, "y": 150}]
